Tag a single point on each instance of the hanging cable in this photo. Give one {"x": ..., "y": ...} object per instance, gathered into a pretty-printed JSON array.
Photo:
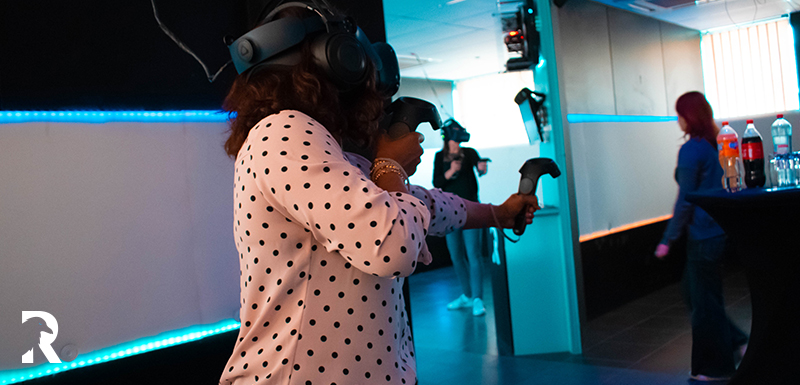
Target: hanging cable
[
  {"x": 180, "y": 44},
  {"x": 791, "y": 4},
  {"x": 755, "y": 12}
]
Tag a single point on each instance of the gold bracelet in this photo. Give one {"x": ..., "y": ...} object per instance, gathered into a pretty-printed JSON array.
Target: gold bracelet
[
  {"x": 379, "y": 173},
  {"x": 383, "y": 165}
]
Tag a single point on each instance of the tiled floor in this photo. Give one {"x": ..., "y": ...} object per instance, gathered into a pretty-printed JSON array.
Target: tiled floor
[{"x": 646, "y": 342}]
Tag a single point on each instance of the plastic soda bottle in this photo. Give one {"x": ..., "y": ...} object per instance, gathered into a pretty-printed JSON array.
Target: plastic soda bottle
[
  {"x": 728, "y": 147},
  {"x": 753, "y": 157},
  {"x": 781, "y": 136}
]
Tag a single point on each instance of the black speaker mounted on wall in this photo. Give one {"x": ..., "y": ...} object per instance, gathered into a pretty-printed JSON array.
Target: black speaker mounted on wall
[{"x": 524, "y": 38}]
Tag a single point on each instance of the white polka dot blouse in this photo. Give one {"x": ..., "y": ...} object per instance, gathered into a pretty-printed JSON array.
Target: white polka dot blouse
[{"x": 323, "y": 252}]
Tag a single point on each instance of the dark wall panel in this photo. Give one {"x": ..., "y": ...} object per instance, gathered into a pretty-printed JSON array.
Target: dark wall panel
[
  {"x": 619, "y": 268},
  {"x": 109, "y": 55},
  {"x": 95, "y": 54}
]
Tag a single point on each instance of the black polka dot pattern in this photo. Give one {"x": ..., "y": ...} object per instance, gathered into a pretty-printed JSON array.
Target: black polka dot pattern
[{"x": 323, "y": 252}]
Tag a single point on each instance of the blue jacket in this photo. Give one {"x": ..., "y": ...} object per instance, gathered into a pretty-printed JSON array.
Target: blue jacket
[{"x": 698, "y": 169}]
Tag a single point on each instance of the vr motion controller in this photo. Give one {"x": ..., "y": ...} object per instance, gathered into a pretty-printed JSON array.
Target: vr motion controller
[
  {"x": 531, "y": 171},
  {"x": 406, "y": 113}
]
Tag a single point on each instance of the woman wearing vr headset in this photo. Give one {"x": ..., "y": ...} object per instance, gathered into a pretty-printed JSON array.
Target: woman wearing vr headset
[
  {"x": 325, "y": 236},
  {"x": 453, "y": 172}
]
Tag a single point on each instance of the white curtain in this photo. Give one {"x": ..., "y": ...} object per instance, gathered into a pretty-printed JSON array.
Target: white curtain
[{"x": 751, "y": 70}]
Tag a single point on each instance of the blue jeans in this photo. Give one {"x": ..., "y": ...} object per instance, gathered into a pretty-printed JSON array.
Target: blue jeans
[
  {"x": 714, "y": 336},
  {"x": 465, "y": 251}
]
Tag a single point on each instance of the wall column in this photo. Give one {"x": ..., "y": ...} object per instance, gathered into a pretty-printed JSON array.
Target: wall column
[{"x": 543, "y": 268}]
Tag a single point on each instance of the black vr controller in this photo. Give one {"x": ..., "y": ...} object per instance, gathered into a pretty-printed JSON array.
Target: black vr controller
[
  {"x": 406, "y": 113},
  {"x": 531, "y": 171}
]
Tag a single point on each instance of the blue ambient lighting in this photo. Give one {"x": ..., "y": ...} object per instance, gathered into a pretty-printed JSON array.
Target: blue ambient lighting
[
  {"x": 132, "y": 348},
  {"x": 595, "y": 118},
  {"x": 113, "y": 116}
]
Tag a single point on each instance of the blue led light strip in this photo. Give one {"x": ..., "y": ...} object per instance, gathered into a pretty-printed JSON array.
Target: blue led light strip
[
  {"x": 113, "y": 116},
  {"x": 596, "y": 118},
  {"x": 132, "y": 348}
]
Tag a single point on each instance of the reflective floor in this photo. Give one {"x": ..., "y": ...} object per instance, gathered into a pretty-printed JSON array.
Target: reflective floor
[{"x": 646, "y": 342}]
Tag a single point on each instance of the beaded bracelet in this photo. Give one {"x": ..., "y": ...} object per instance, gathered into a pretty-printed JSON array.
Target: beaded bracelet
[{"x": 382, "y": 166}]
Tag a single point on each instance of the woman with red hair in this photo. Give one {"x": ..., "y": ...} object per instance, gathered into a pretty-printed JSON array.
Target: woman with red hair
[{"x": 715, "y": 339}]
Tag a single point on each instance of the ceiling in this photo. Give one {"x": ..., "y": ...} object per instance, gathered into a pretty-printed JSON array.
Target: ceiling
[
  {"x": 707, "y": 14},
  {"x": 459, "y": 39}
]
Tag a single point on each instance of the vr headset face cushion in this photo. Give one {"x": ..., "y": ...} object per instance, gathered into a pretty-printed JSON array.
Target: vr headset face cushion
[{"x": 388, "y": 77}]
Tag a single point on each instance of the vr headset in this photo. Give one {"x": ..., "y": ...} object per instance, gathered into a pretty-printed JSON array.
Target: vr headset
[
  {"x": 339, "y": 47},
  {"x": 451, "y": 130}
]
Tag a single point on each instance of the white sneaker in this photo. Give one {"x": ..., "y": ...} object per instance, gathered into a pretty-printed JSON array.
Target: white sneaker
[
  {"x": 477, "y": 307},
  {"x": 459, "y": 303}
]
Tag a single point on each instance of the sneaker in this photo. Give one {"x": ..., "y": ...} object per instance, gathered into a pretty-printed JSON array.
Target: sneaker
[
  {"x": 702, "y": 378},
  {"x": 460, "y": 303},
  {"x": 477, "y": 307}
]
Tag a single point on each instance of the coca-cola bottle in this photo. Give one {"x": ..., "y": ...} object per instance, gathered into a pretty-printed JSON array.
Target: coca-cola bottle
[{"x": 753, "y": 157}]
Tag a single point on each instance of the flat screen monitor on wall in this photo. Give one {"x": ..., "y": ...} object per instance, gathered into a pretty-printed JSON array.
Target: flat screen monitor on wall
[{"x": 530, "y": 104}]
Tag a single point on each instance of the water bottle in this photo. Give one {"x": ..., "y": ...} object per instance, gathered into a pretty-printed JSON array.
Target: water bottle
[
  {"x": 781, "y": 136},
  {"x": 728, "y": 147},
  {"x": 753, "y": 157}
]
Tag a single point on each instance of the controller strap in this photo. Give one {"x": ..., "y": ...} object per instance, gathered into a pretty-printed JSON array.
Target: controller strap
[
  {"x": 503, "y": 231},
  {"x": 500, "y": 229}
]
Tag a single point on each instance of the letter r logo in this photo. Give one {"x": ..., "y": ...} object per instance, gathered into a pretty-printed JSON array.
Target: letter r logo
[{"x": 44, "y": 326}]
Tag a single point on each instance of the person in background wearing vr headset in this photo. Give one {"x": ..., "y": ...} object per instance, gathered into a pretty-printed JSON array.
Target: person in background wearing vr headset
[
  {"x": 325, "y": 236},
  {"x": 453, "y": 172}
]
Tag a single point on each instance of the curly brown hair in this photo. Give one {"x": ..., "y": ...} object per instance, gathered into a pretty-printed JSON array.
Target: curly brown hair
[{"x": 352, "y": 116}]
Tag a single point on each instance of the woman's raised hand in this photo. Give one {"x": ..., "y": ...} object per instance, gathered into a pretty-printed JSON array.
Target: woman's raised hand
[{"x": 405, "y": 150}]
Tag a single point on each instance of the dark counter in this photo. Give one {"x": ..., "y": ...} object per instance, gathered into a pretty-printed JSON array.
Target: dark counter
[{"x": 764, "y": 226}]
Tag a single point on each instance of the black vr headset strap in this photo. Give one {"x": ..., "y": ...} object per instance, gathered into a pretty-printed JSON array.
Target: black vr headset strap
[
  {"x": 271, "y": 39},
  {"x": 294, "y": 4}
]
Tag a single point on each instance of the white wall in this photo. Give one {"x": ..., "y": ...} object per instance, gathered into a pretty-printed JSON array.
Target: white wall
[
  {"x": 618, "y": 63},
  {"x": 485, "y": 107},
  {"x": 502, "y": 178},
  {"x": 119, "y": 230},
  {"x": 624, "y": 172}
]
